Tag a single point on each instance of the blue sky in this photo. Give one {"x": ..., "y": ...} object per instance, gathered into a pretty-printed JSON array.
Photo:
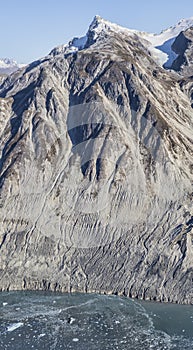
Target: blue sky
[{"x": 30, "y": 29}]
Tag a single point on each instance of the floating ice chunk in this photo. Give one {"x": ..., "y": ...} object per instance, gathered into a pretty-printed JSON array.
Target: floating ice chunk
[
  {"x": 75, "y": 339},
  {"x": 71, "y": 320},
  {"x": 41, "y": 335},
  {"x": 14, "y": 326}
]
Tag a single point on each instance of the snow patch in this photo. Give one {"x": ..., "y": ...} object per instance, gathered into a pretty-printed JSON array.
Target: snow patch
[
  {"x": 167, "y": 49},
  {"x": 79, "y": 43},
  {"x": 161, "y": 44},
  {"x": 72, "y": 47}
]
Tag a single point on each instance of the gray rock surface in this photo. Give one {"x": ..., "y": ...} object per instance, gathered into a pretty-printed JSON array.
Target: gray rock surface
[
  {"x": 183, "y": 46},
  {"x": 96, "y": 170}
]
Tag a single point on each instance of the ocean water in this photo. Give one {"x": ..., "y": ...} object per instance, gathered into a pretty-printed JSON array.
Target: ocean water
[{"x": 39, "y": 320}]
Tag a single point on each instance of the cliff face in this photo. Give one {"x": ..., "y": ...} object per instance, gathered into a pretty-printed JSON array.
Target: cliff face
[
  {"x": 183, "y": 46},
  {"x": 96, "y": 173}
]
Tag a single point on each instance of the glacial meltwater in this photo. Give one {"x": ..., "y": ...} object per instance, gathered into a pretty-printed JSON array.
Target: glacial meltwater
[{"x": 50, "y": 321}]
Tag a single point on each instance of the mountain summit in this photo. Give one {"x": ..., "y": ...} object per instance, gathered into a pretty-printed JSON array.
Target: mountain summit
[
  {"x": 160, "y": 45},
  {"x": 96, "y": 166}
]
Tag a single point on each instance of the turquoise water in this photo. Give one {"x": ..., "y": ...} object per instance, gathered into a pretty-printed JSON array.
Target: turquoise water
[{"x": 38, "y": 320}]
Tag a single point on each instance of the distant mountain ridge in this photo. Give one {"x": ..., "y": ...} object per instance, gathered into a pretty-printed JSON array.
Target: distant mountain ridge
[{"x": 8, "y": 66}]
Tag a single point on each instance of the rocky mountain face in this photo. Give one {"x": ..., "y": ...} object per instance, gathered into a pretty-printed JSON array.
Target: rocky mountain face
[
  {"x": 183, "y": 46},
  {"x": 96, "y": 170},
  {"x": 2, "y": 77}
]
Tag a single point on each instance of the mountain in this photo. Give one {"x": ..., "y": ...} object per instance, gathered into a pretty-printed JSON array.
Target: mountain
[
  {"x": 96, "y": 167},
  {"x": 162, "y": 44},
  {"x": 8, "y": 66},
  {"x": 159, "y": 45}
]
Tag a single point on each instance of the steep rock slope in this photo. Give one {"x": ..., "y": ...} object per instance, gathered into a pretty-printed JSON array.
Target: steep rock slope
[
  {"x": 96, "y": 172},
  {"x": 183, "y": 46}
]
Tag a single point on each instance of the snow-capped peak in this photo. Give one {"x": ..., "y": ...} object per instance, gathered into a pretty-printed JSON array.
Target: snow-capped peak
[
  {"x": 8, "y": 66},
  {"x": 99, "y": 25},
  {"x": 97, "y": 28},
  {"x": 159, "y": 45},
  {"x": 182, "y": 25}
]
